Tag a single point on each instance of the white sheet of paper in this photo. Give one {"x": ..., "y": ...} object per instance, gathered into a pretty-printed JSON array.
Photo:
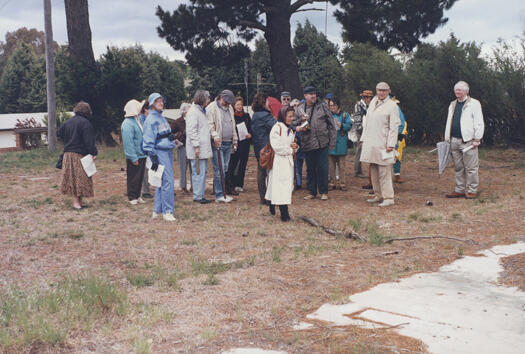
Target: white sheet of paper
[
  {"x": 155, "y": 177},
  {"x": 470, "y": 147},
  {"x": 148, "y": 163},
  {"x": 89, "y": 165},
  {"x": 242, "y": 130},
  {"x": 178, "y": 143},
  {"x": 387, "y": 155}
]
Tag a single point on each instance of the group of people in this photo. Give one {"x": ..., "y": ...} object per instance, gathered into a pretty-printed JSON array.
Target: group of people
[{"x": 312, "y": 131}]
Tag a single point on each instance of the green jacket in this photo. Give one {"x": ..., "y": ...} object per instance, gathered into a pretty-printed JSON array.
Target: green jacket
[
  {"x": 132, "y": 139},
  {"x": 341, "y": 146}
]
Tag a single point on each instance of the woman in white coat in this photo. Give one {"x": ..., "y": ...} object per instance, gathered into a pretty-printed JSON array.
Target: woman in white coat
[
  {"x": 198, "y": 144},
  {"x": 280, "y": 177}
]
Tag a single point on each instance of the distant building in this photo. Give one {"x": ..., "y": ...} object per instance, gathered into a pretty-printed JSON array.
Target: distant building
[{"x": 11, "y": 138}]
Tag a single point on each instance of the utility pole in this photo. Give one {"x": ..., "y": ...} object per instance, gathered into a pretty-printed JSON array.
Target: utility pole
[{"x": 50, "y": 76}]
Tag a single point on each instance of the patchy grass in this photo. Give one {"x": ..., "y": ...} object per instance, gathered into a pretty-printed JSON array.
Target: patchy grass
[
  {"x": 375, "y": 237},
  {"x": 34, "y": 159},
  {"x": 36, "y": 203},
  {"x": 456, "y": 217},
  {"x": 49, "y": 316},
  {"x": 140, "y": 280}
]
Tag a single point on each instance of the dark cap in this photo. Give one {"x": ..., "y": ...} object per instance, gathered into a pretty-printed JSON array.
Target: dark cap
[
  {"x": 228, "y": 96},
  {"x": 285, "y": 94},
  {"x": 329, "y": 96},
  {"x": 309, "y": 89}
]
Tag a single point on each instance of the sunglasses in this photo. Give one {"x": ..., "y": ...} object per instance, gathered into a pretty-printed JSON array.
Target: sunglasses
[{"x": 286, "y": 99}]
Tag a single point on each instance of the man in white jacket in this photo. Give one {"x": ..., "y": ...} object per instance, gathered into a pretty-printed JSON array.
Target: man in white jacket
[{"x": 464, "y": 130}]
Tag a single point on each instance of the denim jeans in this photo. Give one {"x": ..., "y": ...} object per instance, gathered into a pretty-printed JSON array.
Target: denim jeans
[
  {"x": 298, "y": 166},
  {"x": 225, "y": 151},
  {"x": 199, "y": 180},
  {"x": 317, "y": 170}
]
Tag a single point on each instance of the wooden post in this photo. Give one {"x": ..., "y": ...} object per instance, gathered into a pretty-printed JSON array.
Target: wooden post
[{"x": 50, "y": 76}]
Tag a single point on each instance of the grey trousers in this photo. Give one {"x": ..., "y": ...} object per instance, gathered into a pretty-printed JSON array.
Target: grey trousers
[
  {"x": 358, "y": 170},
  {"x": 145, "y": 182},
  {"x": 382, "y": 181},
  {"x": 183, "y": 166},
  {"x": 466, "y": 165}
]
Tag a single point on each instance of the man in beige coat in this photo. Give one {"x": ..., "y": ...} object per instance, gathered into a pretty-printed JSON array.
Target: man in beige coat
[{"x": 378, "y": 141}]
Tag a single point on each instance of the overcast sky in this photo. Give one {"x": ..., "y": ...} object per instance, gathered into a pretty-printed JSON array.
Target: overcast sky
[{"x": 126, "y": 22}]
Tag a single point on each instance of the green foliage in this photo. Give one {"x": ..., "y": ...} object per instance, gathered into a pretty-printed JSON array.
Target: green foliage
[
  {"x": 49, "y": 316},
  {"x": 26, "y": 160},
  {"x": 317, "y": 60},
  {"x": 390, "y": 24},
  {"x": 22, "y": 81}
]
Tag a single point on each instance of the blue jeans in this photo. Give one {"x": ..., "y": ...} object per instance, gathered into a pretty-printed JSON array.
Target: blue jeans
[
  {"x": 298, "y": 166},
  {"x": 225, "y": 151},
  {"x": 199, "y": 180},
  {"x": 317, "y": 170},
  {"x": 164, "y": 202}
]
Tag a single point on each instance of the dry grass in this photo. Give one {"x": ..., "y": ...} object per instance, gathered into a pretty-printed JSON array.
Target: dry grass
[{"x": 233, "y": 275}]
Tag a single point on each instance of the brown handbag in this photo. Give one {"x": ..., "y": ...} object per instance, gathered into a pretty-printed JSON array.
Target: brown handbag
[{"x": 267, "y": 155}]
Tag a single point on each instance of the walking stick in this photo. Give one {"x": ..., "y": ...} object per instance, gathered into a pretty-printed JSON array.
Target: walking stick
[{"x": 221, "y": 171}]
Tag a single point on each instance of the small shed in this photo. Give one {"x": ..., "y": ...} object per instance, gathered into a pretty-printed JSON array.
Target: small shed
[{"x": 11, "y": 138}]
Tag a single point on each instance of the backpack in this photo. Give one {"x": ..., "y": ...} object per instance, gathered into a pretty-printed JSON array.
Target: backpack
[{"x": 267, "y": 155}]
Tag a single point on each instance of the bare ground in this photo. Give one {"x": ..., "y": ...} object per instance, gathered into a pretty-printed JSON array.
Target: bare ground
[{"x": 269, "y": 274}]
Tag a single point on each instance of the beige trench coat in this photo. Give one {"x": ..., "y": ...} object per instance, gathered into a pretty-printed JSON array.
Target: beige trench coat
[
  {"x": 380, "y": 127},
  {"x": 280, "y": 177}
]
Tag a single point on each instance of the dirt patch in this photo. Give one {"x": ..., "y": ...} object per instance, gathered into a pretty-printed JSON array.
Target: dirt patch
[
  {"x": 233, "y": 275},
  {"x": 514, "y": 271}
]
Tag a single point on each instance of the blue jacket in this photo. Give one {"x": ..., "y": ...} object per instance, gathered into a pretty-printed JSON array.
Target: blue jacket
[
  {"x": 132, "y": 139},
  {"x": 156, "y": 129},
  {"x": 402, "y": 125},
  {"x": 341, "y": 145},
  {"x": 262, "y": 123}
]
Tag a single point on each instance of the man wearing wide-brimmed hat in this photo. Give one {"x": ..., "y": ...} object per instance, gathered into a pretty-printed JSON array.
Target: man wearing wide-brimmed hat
[
  {"x": 379, "y": 139},
  {"x": 357, "y": 128}
]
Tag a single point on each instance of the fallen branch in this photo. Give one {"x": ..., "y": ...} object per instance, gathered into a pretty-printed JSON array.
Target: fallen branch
[
  {"x": 337, "y": 233},
  {"x": 429, "y": 237}
]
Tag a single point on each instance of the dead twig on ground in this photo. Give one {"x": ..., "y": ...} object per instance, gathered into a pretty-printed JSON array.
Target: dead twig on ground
[
  {"x": 315, "y": 223},
  {"x": 430, "y": 237}
]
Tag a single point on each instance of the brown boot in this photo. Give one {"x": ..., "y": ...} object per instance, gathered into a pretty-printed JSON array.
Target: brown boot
[
  {"x": 397, "y": 179},
  {"x": 455, "y": 195},
  {"x": 471, "y": 195}
]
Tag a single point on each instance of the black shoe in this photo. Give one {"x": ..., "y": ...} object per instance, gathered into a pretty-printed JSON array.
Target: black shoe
[
  {"x": 147, "y": 195},
  {"x": 272, "y": 209},
  {"x": 233, "y": 192},
  {"x": 284, "y": 212},
  {"x": 297, "y": 188},
  {"x": 205, "y": 201}
]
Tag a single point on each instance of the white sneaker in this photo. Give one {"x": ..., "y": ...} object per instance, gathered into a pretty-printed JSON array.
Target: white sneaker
[
  {"x": 134, "y": 202},
  {"x": 387, "y": 202},
  {"x": 154, "y": 215},
  {"x": 239, "y": 189},
  {"x": 324, "y": 196},
  {"x": 141, "y": 201},
  {"x": 228, "y": 198},
  {"x": 168, "y": 217},
  {"x": 222, "y": 200},
  {"x": 374, "y": 200}
]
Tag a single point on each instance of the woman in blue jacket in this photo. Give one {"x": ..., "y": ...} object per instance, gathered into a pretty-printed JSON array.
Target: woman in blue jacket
[
  {"x": 337, "y": 155},
  {"x": 158, "y": 143}
]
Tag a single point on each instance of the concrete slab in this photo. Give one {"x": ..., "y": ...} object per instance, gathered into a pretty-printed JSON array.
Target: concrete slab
[
  {"x": 252, "y": 351},
  {"x": 459, "y": 309}
]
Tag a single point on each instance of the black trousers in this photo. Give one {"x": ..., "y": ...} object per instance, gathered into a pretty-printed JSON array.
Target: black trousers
[
  {"x": 261, "y": 181},
  {"x": 317, "y": 170},
  {"x": 134, "y": 177},
  {"x": 237, "y": 166}
]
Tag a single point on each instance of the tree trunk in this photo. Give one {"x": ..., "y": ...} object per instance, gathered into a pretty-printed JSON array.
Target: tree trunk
[
  {"x": 79, "y": 32},
  {"x": 50, "y": 76},
  {"x": 282, "y": 55}
]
